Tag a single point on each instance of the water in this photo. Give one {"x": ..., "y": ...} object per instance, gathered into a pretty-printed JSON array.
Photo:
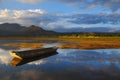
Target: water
[{"x": 69, "y": 64}]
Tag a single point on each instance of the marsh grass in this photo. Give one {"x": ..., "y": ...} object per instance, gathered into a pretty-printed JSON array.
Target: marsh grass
[
  {"x": 91, "y": 42},
  {"x": 75, "y": 42},
  {"x": 26, "y": 45}
]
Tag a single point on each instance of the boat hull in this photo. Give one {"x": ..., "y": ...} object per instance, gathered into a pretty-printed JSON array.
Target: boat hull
[{"x": 23, "y": 57}]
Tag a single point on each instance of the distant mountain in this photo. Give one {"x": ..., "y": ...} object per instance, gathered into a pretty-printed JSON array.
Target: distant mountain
[
  {"x": 14, "y": 29},
  {"x": 11, "y": 27},
  {"x": 118, "y": 31},
  {"x": 115, "y": 30},
  {"x": 90, "y": 29},
  {"x": 8, "y": 29},
  {"x": 37, "y": 31},
  {"x": 33, "y": 28}
]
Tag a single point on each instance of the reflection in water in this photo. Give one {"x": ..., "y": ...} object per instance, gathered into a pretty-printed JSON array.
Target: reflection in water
[
  {"x": 69, "y": 64},
  {"x": 17, "y": 62},
  {"x": 4, "y": 57}
]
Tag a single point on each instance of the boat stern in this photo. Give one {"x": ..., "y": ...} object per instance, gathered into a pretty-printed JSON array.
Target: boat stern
[{"x": 13, "y": 53}]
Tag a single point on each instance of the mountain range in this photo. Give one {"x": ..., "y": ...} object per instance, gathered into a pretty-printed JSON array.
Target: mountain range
[
  {"x": 91, "y": 29},
  {"x": 14, "y": 29}
]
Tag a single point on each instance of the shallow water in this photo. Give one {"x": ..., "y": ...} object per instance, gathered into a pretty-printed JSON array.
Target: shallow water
[{"x": 69, "y": 64}]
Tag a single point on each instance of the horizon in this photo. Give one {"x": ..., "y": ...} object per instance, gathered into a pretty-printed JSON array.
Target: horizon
[
  {"x": 76, "y": 30},
  {"x": 62, "y": 15}
]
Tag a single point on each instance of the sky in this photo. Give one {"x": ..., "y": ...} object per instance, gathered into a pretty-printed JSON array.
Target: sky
[{"x": 62, "y": 15}]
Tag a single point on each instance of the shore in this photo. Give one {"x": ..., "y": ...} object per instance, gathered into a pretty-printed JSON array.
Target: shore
[
  {"x": 76, "y": 43},
  {"x": 91, "y": 42}
]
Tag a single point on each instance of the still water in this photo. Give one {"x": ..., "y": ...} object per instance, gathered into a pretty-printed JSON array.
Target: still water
[{"x": 69, "y": 64}]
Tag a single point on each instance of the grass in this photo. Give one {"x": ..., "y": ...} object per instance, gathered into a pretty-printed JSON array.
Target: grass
[
  {"x": 91, "y": 42},
  {"x": 75, "y": 42},
  {"x": 26, "y": 45},
  {"x": 28, "y": 38}
]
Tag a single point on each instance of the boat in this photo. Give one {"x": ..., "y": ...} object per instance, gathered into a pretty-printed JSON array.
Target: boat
[{"x": 23, "y": 57}]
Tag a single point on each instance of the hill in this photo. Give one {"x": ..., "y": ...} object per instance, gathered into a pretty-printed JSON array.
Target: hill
[
  {"x": 14, "y": 29},
  {"x": 8, "y": 29}
]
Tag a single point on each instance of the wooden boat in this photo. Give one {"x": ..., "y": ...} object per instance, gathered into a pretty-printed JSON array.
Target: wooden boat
[{"x": 22, "y": 57}]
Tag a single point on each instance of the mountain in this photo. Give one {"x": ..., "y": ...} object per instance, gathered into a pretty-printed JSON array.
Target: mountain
[
  {"x": 8, "y": 29},
  {"x": 90, "y": 29},
  {"x": 115, "y": 30},
  {"x": 14, "y": 29},
  {"x": 37, "y": 31},
  {"x": 11, "y": 27}
]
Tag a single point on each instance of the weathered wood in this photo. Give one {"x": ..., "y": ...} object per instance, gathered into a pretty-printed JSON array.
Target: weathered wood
[
  {"x": 22, "y": 57},
  {"x": 33, "y": 53}
]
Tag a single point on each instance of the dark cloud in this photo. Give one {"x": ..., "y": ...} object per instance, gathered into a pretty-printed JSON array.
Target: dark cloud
[
  {"x": 27, "y": 17},
  {"x": 59, "y": 22},
  {"x": 113, "y": 18},
  {"x": 1, "y": 1},
  {"x": 81, "y": 29},
  {"x": 101, "y": 22},
  {"x": 108, "y": 4},
  {"x": 89, "y": 4},
  {"x": 31, "y": 1}
]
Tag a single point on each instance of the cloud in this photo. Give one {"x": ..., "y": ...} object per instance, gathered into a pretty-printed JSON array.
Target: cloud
[
  {"x": 88, "y": 4},
  {"x": 4, "y": 57},
  {"x": 104, "y": 18},
  {"x": 110, "y": 4},
  {"x": 1, "y": 1},
  {"x": 31, "y": 1},
  {"x": 107, "y": 4},
  {"x": 59, "y": 22},
  {"x": 26, "y": 17}
]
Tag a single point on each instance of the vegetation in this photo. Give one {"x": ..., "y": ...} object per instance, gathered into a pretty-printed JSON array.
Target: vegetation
[
  {"x": 26, "y": 45},
  {"x": 76, "y": 41},
  {"x": 90, "y": 42},
  {"x": 95, "y": 34}
]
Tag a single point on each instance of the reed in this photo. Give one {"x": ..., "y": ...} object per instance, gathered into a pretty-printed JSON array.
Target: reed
[
  {"x": 26, "y": 45},
  {"x": 90, "y": 42}
]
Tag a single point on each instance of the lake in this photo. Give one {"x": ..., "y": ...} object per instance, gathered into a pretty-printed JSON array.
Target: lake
[{"x": 68, "y": 64}]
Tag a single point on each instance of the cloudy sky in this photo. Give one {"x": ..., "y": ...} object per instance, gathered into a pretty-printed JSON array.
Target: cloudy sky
[{"x": 62, "y": 15}]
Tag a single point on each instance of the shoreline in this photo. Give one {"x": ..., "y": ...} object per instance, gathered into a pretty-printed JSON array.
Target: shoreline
[{"x": 75, "y": 43}]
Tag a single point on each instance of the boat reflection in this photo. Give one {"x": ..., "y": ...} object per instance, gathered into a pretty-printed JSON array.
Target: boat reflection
[
  {"x": 18, "y": 62},
  {"x": 23, "y": 57},
  {"x": 69, "y": 64}
]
